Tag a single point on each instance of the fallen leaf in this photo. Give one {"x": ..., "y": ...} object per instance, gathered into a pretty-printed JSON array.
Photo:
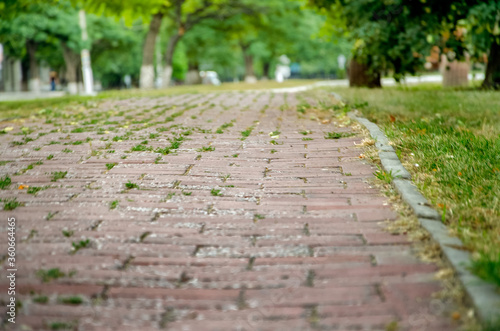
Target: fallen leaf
[
  {"x": 22, "y": 187},
  {"x": 392, "y": 118}
]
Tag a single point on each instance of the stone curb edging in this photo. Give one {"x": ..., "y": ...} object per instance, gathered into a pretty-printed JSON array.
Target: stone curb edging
[{"x": 482, "y": 295}]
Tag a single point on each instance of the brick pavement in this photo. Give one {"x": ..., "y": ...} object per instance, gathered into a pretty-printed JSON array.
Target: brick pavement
[{"x": 274, "y": 231}]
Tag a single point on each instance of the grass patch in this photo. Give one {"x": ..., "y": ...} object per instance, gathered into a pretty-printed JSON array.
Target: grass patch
[
  {"x": 142, "y": 147},
  {"x": 72, "y": 300},
  {"x": 337, "y": 135},
  {"x": 5, "y": 182},
  {"x": 113, "y": 204},
  {"x": 50, "y": 274},
  {"x": 61, "y": 326},
  {"x": 35, "y": 189},
  {"x": 42, "y": 299},
  {"x": 386, "y": 177},
  {"x": 30, "y": 167},
  {"x": 245, "y": 134},
  {"x": 76, "y": 246},
  {"x": 56, "y": 175},
  {"x": 206, "y": 149},
  {"x": 67, "y": 233},
  {"x": 449, "y": 140},
  {"x": 131, "y": 185},
  {"x": 216, "y": 193},
  {"x": 11, "y": 204},
  {"x": 110, "y": 166}
]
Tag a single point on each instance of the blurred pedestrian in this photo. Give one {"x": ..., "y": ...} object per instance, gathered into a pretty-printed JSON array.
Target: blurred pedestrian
[{"x": 53, "y": 77}]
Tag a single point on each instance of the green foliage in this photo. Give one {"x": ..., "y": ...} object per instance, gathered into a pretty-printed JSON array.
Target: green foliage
[
  {"x": 42, "y": 299},
  {"x": 50, "y": 274},
  {"x": 110, "y": 166},
  {"x": 35, "y": 189},
  {"x": 56, "y": 175},
  {"x": 72, "y": 300},
  {"x": 337, "y": 135},
  {"x": 215, "y": 192},
  {"x": 206, "y": 149},
  {"x": 386, "y": 177},
  {"x": 76, "y": 246},
  {"x": 398, "y": 35},
  {"x": 11, "y": 204},
  {"x": 131, "y": 185},
  {"x": 5, "y": 182},
  {"x": 113, "y": 204},
  {"x": 61, "y": 326},
  {"x": 116, "y": 49}
]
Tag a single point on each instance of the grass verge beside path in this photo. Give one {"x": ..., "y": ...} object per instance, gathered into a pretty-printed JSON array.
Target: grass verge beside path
[
  {"x": 26, "y": 108},
  {"x": 450, "y": 142}
]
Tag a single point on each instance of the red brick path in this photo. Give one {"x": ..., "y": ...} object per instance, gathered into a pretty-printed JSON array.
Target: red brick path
[{"x": 250, "y": 236}]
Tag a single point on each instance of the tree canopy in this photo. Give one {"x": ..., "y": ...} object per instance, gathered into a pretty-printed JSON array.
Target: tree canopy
[{"x": 396, "y": 35}]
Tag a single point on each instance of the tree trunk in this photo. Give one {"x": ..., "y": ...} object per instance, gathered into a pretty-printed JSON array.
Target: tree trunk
[
  {"x": 71, "y": 59},
  {"x": 266, "y": 68},
  {"x": 360, "y": 76},
  {"x": 249, "y": 72},
  {"x": 34, "y": 72},
  {"x": 193, "y": 74},
  {"x": 455, "y": 73},
  {"x": 492, "y": 76},
  {"x": 12, "y": 75},
  {"x": 148, "y": 52},
  {"x": 169, "y": 55}
]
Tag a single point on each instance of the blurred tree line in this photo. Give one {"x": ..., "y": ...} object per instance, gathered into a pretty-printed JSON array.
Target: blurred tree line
[{"x": 157, "y": 41}]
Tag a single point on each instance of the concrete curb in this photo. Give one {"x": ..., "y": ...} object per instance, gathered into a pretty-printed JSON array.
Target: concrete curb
[{"x": 483, "y": 296}]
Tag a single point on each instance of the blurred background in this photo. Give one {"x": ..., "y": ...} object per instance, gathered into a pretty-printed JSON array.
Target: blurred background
[{"x": 85, "y": 46}]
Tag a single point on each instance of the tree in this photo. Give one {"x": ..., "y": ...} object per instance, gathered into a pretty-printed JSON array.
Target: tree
[
  {"x": 484, "y": 21},
  {"x": 394, "y": 35},
  {"x": 186, "y": 14},
  {"x": 115, "y": 49},
  {"x": 148, "y": 51},
  {"x": 278, "y": 29},
  {"x": 208, "y": 47},
  {"x": 386, "y": 36},
  {"x": 150, "y": 12},
  {"x": 28, "y": 28}
]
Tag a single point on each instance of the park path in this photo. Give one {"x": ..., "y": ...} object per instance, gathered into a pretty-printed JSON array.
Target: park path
[{"x": 226, "y": 211}]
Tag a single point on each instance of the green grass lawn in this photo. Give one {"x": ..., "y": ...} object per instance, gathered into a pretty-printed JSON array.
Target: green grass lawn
[
  {"x": 450, "y": 141},
  {"x": 26, "y": 108}
]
